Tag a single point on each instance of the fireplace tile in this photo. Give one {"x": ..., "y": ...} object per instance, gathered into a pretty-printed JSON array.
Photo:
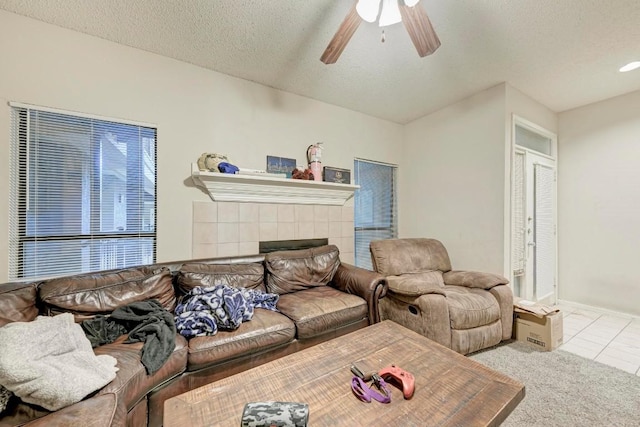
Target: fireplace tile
[
  {"x": 228, "y": 212},
  {"x": 335, "y": 213},
  {"x": 304, "y": 213},
  {"x": 268, "y": 231},
  {"x": 286, "y": 231},
  {"x": 305, "y": 230},
  {"x": 228, "y": 232},
  {"x": 204, "y": 250},
  {"x": 205, "y": 232},
  {"x": 335, "y": 229},
  {"x": 205, "y": 212},
  {"x": 320, "y": 229},
  {"x": 321, "y": 213},
  {"x": 248, "y": 232},
  {"x": 286, "y": 213},
  {"x": 227, "y": 249},
  {"x": 248, "y": 248},
  {"x": 268, "y": 213},
  {"x": 248, "y": 212},
  {"x": 347, "y": 229}
]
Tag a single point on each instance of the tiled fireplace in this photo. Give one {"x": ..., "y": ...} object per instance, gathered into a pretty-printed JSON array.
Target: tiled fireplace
[{"x": 236, "y": 228}]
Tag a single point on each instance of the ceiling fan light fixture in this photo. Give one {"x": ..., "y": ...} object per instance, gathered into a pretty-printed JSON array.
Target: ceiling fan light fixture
[
  {"x": 630, "y": 66},
  {"x": 368, "y": 9},
  {"x": 411, "y": 3},
  {"x": 390, "y": 13}
]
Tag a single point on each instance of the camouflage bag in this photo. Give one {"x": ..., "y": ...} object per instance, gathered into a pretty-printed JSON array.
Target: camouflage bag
[{"x": 279, "y": 414}]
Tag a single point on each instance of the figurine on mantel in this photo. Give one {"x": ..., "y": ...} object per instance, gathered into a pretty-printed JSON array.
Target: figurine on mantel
[
  {"x": 302, "y": 174},
  {"x": 210, "y": 161}
]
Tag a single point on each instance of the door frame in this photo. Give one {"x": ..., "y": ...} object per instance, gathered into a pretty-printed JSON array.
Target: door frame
[{"x": 524, "y": 123}]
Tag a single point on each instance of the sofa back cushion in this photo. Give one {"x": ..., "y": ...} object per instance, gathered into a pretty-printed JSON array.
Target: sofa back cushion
[
  {"x": 18, "y": 302},
  {"x": 86, "y": 295},
  {"x": 291, "y": 271},
  {"x": 393, "y": 257},
  {"x": 239, "y": 275}
]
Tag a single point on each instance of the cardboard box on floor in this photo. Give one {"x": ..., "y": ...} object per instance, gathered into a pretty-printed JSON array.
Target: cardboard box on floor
[{"x": 537, "y": 324}]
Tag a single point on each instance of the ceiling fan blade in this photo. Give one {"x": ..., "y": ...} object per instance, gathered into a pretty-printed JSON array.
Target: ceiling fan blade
[
  {"x": 342, "y": 36},
  {"x": 420, "y": 30}
]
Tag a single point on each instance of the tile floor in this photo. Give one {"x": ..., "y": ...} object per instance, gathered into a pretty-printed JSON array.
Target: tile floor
[{"x": 607, "y": 338}]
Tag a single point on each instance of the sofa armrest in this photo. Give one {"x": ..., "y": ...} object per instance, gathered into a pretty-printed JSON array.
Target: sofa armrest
[
  {"x": 364, "y": 283},
  {"x": 97, "y": 411},
  {"x": 474, "y": 279}
]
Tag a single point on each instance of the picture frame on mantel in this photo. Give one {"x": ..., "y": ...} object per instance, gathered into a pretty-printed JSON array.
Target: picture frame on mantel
[
  {"x": 340, "y": 176},
  {"x": 281, "y": 165}
]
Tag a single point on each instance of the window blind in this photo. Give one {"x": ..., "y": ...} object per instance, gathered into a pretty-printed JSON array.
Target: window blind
[
  {"x": 375, "y": 213},
  {"x": 83, "y": 194},
  {"x": 544, "y": 231},
  {"x": 518, "y": 235}
]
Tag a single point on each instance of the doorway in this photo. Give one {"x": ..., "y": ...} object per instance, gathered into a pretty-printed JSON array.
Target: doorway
[{"x": 534, "y": 229}]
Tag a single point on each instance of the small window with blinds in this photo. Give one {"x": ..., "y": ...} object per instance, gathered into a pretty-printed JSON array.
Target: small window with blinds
[
  {"x": 375, "y": 214},
  {"x": 83, "y": 193}
]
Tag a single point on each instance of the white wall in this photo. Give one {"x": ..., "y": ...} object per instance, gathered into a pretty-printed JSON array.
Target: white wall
[
  {"x": 195, "y": 110},
  {"x": 599, "y": 204},
  {"x": 452, "y": 180}
]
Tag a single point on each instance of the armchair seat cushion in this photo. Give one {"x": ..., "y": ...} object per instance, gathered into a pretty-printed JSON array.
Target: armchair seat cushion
[
  {"x": 415, "y": 284},
  {"x": 322, "y": 309},
  {"x": 470, "y": 307},
  {"x": 474, "y": 279}
]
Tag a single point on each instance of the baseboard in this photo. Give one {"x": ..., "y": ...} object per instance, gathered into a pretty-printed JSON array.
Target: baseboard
[{"x": 578, "y": 305}]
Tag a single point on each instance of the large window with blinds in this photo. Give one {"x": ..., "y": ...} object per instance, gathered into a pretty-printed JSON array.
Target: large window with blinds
[
  {"x": 83, "y": 193},
  {"x": 375, "y": 211}
]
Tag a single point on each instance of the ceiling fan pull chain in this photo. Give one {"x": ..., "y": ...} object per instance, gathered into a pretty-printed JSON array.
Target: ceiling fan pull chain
[{"x": 382, "y": 39}]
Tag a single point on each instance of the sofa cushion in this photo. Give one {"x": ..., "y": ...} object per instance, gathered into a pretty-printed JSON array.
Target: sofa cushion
[
  {"x": 265, "y": 329},
  {"x": 245, "y": 275},
  {"x": 471, "y": 307},
  {"x": 291, "y": 271},
  {"x": 321, "y": 309},
  {"x": 86, "y": 295},
  {"x": 18, "y": 302},
  {"x": 132, "y": 382}
]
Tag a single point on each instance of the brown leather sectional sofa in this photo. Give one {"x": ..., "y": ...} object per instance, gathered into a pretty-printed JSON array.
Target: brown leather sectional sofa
[{"x": 319, "y": 298}]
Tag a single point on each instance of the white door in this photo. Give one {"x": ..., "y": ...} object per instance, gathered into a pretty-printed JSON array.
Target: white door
[{"x": 534, "y": 226}]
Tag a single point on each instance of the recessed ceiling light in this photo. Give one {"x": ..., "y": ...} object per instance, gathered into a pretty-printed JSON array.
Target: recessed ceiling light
[{"x": 630, "y": 66}]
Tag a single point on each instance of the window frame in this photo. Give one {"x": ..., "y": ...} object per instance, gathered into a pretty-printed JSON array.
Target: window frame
[{"x": 19, "y": 235}]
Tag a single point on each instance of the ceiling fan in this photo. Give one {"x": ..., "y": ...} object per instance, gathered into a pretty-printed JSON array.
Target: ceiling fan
[{"x": 413, "y": 17}]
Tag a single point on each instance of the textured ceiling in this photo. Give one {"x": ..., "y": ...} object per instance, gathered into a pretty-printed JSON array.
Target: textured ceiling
[{"x": 563, "y": 53}]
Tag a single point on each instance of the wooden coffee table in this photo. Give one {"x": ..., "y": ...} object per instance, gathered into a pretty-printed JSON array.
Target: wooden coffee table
[{"x": 450, "y": 389}]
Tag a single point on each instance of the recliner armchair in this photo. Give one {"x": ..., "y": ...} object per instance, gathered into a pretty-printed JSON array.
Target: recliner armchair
[{"x": 463, "y": 310}]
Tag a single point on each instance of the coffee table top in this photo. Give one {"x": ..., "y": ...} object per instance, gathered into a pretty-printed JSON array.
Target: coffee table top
[{"x": 450, "y": 389}]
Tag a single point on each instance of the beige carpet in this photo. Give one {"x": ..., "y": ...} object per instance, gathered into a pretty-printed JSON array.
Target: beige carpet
[{"x": 563, "y": 389}]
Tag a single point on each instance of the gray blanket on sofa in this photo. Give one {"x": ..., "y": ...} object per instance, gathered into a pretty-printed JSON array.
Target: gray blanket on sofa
[{"x": 49, "y": 362}]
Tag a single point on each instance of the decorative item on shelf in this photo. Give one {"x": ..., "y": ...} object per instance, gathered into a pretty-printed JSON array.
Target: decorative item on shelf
[
  {"x": 342, "y": 176},
  {"x": 281, "y": 165},
  {"x": 258, "y": 172},
  {"x": 314, "y": 154},
  {"x": 210, "y": 161},
  {"x": 302, "y": 174},
  {"x": 226, "y": 167}
]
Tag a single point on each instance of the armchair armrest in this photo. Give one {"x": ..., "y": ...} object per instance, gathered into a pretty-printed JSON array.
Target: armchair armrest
[
  {"x": 364, "y": 283},
  {"x": 474, "y": 279}
]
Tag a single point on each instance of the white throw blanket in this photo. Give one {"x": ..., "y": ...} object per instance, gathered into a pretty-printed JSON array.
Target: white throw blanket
[{"x": 49, "y": 362}]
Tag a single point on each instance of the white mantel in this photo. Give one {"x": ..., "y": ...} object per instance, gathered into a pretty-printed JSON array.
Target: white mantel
[{"x": 223, "y": 187}]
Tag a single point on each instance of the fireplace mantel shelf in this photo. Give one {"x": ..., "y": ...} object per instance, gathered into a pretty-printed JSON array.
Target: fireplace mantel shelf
[{"x": 223, "y": 187}]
